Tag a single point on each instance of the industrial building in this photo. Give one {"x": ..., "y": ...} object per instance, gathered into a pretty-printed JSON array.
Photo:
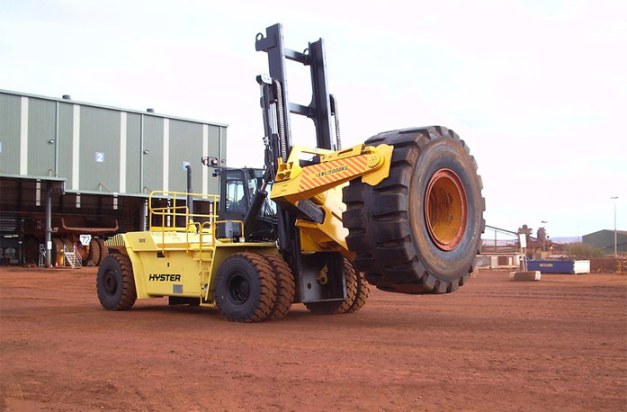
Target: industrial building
[
  {"x": 69, "y": 168},
  {"x": 604, "y": 240}
]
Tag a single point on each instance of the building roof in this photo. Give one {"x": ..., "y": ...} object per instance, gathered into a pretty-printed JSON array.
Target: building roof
[
  {"x": 70, "y": 101},
  {"x": 619, "y": 232}
]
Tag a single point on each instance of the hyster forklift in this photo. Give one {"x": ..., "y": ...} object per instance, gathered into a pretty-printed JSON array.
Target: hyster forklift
[{"x": 402, "y": 212}]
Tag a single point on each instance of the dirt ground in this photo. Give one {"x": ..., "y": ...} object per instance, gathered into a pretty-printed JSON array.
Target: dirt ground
[{"x": 496, "y": 344}]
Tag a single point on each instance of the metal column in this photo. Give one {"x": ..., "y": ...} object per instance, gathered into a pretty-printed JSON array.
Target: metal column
[{"x": 48, "y": 224}]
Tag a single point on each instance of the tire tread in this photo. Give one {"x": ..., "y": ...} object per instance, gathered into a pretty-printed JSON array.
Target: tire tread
[{"x": 378, "y": 221}]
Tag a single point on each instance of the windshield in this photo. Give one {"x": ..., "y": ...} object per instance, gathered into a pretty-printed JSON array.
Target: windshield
[
  {"x": 268, "y": 208},
  {"x": 241, "y": 186}
]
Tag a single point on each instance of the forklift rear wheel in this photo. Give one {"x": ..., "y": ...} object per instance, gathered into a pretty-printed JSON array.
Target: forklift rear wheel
[
  {"x": 339, "y": 306},
  {"x": 419, "y": 230},
  {"x": 115, "y": 283},
  {"x": 285, "y": 287},
  {"x": 245, "y": 288}
]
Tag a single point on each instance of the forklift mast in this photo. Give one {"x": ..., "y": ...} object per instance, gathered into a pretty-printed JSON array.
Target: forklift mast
[
  {"x": 277, "y": 109},
  {"x": 321, "y": 107},
  {"x": 279, "y": 140}
]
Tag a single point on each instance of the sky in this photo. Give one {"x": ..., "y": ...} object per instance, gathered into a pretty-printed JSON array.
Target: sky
[{"x": 536, "y": 88}]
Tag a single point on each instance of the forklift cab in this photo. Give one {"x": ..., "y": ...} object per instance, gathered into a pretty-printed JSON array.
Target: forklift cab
[{"x": 237, "y": 191}]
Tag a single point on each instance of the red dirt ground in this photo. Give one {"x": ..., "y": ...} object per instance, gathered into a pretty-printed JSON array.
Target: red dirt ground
[{"x": 557, "y": 344}]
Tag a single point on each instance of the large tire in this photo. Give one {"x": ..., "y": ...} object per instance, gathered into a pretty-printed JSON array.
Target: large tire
[
  {"x": 94, "y": 252},
  {"x": 245, "y": 288},
  {"x": 68, "y": 245},
  {"x": 419, "y": 230},
  {"x": 104, "y": 250},
  {"x": 339, "y": 306},
  {"x": 285, "y": 287},
  {"x": 115, "y": 283},
  {"x": 57, "y": 252}
]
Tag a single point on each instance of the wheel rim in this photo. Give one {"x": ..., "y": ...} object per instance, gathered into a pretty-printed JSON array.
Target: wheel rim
[
  {"x": 110, "y": 283},
  {"x": 239, "y": 289},
  {"x": 446, "y": 210}
]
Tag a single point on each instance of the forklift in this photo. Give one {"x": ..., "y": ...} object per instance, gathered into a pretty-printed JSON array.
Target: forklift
[{"x": 402, "y": 212}]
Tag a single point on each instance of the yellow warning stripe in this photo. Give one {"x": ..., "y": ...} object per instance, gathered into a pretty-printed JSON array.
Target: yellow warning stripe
[{"x": 329, "y": 172}]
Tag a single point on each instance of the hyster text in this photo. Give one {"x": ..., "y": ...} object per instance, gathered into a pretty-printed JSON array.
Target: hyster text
[{"x": 165, "y": 277}]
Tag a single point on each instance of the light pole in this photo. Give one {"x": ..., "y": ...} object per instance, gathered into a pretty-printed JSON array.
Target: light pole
[
  {"x": 546, "y": 237},
  {"x": 615, "y": 198}
]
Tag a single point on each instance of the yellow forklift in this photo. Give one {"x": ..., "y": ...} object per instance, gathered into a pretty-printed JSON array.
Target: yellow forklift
[{"x": 402, "y": 212}]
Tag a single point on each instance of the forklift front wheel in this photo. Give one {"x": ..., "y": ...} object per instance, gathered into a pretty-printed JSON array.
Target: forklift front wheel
[{"x": 245, "y": 288}]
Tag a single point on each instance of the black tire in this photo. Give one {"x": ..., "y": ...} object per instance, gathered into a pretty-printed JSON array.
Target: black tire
[
  {"x": 245, "y": 288},
  {"x": 104, "y": 250},
  {"x": 339, "y": 306},
  {"x": 419, "y": 230},
  {"x": 115, "y": 283},
  {"x": 285, "y": 287}
]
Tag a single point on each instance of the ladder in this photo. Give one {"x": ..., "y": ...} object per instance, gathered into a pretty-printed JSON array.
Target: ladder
[
  {"x": 205, "y": 259},
  {"x": 72, "y": 258}
]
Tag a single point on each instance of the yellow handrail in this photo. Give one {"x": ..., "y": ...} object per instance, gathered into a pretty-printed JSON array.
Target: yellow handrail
[
  {"x": 241, "y": 224},
  {"x": 176, "y": 210}
]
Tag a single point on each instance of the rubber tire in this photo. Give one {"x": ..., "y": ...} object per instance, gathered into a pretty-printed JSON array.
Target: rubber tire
[
  {"x": 69, "y": 245},
  {"x": 57, "y": 249},
  {"x": 104, "y": 250},
  {"x": 339, "y": 306},
  {"x": 94, "y": 252},
  {"x": 115, "y": 283},
  {"x": 285, "y": 287},
  {"x": 386, "y": 223},
  {"x": 249, "y": 270},
  {"x": 361, "y": 296}
]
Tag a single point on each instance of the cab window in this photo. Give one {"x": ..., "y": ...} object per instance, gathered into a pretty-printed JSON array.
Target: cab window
[{"x": 235, "y": 200}]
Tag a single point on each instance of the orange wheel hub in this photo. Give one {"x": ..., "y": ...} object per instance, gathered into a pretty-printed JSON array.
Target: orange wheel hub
[{"x": 446, "y": 210}]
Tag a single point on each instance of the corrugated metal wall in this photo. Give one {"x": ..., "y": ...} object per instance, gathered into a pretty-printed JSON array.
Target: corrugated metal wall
[
  {"x": 101, "y": 149},
  {"x": 152, "y": 154},
  {"x": 41, "y": 137},
  {"x": 9, "y": 134},
  {"x": 604, "y": 240}
]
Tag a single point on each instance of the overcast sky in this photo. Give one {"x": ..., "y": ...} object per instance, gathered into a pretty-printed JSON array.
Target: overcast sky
[{"x": 537, "y": 89}]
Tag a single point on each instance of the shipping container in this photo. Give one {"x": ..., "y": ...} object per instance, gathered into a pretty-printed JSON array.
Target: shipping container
[{"x": 574, "y": 267}]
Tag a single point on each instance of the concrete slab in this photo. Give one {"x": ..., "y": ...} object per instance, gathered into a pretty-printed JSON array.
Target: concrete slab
[{"x": 529, "y": 275}]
